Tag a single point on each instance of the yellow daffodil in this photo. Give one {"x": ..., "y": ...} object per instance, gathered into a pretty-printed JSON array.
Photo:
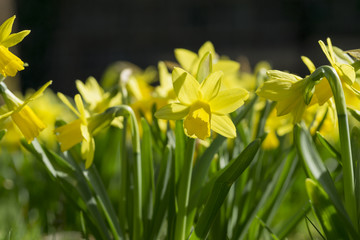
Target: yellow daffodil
[
  {"x": 76, "y": 131},
  {"x": 202, "y": 105},
  {"x": 82, "y": 129},
  {"x": 9, "y": 63},
  {"x": 288, "y": 91},
  {"x": 347, "y": 76},
  {"x": 22, "y": 115}
]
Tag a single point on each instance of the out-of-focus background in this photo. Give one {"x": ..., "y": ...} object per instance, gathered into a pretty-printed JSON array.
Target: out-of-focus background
[{"x": 74, "y": 39}]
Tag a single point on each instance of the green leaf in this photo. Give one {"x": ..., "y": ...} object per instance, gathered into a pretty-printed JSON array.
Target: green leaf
[
  {"x": 2, "y": 133},
  {"x": 325, "y": 211},
  {"x": 222, "y": 186},
  {"x": 355, "y": 147},
  {"x": 148, "y": 185},
  {"x": 317, "y": 171},
  {"x": 329, "y": 147}
]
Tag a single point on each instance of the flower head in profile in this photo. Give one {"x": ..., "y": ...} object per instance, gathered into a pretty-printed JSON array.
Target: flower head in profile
[
  {"x": 10, "y": 64},
  {"x": 82, "y": 129},
  {"x": 22, "y": 115},
  {"x": 202, "y": 105},
  {"x": 289, "y": 91}
]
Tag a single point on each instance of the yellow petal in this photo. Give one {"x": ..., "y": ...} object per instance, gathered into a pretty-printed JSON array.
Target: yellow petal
[
  {"x": 223, "y": 125},
  {"x": 15, "y": 38},
  {"x": 173, "y": 111},
  {"x": 346, "y": 73},
  {"x": 325, "y": 50},
  {"x": 10, "y": 64},
  {"x": 227, "y": 66},
  {"x": 309, "y": 64},
  {"x": 87, "y": 152},
  {"x": 275, "y": 90},
  {"x": 5, "y": 28},
  {"x": 80, "y": 106},
  {"x": 38, "y": 93},
  {"x": 186, "y": 58},
  {"x": 197, "y": 122},
  {"x": 282, "y": 76},
  {"x": 69, "y": 135},
  {"x": 206, "y": 47},
  {"x": 323, "y": 91},
  {"x": 211, "y": 85},
  {"x": 64, "y": 99},
  {"x": 29, "y": 124},
  {"x": 185, "y": 86},
  {"x": 228, "y": 100}
]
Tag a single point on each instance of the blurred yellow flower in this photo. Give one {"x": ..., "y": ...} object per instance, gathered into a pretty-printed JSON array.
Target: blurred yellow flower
[
  {"x": 22, "y": 115},
  {"x": 203, "y": 106},
  {"x": 9, "y": 63}
]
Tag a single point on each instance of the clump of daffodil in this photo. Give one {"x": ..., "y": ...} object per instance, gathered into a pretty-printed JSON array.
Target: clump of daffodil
[
  {"x": 82, "y": 129},
  {"x": 10, "y": 64},
  {"x": 202, "y": 105},
  {"x": 292, "y": 93},
  {"x": 97, "y": 99},
  {"x": 21, "y": 114}
]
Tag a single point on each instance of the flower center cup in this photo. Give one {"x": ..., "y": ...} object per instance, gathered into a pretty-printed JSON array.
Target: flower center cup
[{"x": 197, "y": 122}]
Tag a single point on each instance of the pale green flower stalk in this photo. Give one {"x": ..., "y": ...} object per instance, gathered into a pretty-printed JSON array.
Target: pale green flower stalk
[{"x": 348, "y": 169}]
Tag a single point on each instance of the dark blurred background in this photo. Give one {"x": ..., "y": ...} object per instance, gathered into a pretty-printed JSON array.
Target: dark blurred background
[{"x": 72, "y": 39}]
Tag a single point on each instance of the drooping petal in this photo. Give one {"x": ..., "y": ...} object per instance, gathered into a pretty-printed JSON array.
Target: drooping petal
[
  {"x": 275, "y": 90},
  {"x": 5, "y": 28},
  {"x": 15, "y": 38},
  {"x": 197, "y": 122},
  {"x": 228, "y": 100},
  {"x": 323, "y": 91},
  {"x": 223, "y": 125},
  {"x": 69, "y": 135},
  {"x": 186, "y": 58},
  {"x": 10, "y": 64},
  {"x": 173, "y": 111},
  {"x": 346, "y": 73},
  {"x": 211, "y": 85},
  {"x": 87, "y": 151},
  {"x": 185, "y": 86},
  {"x": 29, "y": 124},
  {"x": 80, "y": 106},
  {"x": 282, "y": 76}
]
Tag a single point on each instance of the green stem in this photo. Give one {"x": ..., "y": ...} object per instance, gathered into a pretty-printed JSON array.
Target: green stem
[
  {"x": 348, "y": 169},
  {"x": 124, "y": 110},
  {"x": 184, "y": 191}
]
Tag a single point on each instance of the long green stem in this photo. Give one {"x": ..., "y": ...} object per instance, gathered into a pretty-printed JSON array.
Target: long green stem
[
  {"x": 184, "y": 191},
  {"x": 124, "y": 110},
  {"x": 348, "y": 169}
]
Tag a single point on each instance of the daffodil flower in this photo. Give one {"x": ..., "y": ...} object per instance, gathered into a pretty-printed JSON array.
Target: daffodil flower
[
  {"x": 22, "y": 115},
  {"x": 9, "y": 63},
  {"x": 82, "y": 129},
  {"x": 203, "y": 106},
  {"x": 288, "y": 91}
]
